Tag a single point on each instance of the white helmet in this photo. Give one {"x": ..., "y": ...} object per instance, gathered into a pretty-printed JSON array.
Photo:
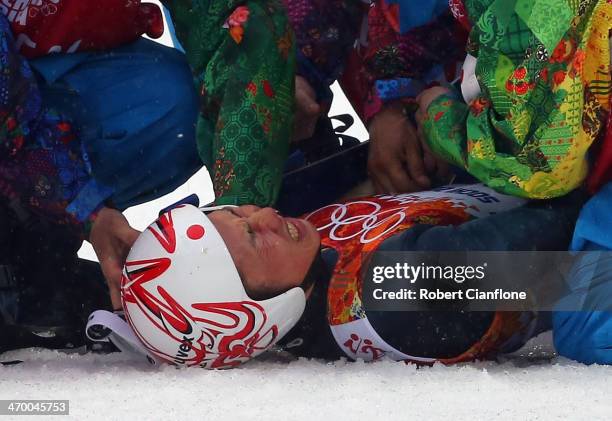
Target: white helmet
[{"x": 184, "y": 299}]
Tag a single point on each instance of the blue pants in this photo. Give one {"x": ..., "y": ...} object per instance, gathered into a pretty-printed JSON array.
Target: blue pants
[
  {"x": 136, "y": 109},
  {"x": 586, "y": 335}
]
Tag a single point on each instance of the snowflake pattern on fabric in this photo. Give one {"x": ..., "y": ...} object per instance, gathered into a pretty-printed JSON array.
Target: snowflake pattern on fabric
[
  {"x": 41, "y": 163},
  {"x": 397, "y": 66}
]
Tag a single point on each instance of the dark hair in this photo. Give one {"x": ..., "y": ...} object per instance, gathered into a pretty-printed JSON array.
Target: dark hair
[{"x": 317, "y": 271}]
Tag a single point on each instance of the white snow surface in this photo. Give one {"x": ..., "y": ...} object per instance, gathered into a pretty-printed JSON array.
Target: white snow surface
[{"x": 531, "y": 385}]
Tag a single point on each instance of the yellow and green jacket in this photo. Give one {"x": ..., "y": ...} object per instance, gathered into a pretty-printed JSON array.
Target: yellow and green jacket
[{"x": 543, "y": 67}]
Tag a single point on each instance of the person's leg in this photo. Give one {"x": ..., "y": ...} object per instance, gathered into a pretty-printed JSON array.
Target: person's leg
[
  {"x": 44, "y": 287},
  {"x": 137, "y": 109},
  {"x": 584, "y": 334},
  {"x": 538, "y": 226},
  {"x": 582, "y": 324}
]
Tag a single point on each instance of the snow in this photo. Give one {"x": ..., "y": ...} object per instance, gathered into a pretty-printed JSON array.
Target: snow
[{"x": 528, "y": 386}]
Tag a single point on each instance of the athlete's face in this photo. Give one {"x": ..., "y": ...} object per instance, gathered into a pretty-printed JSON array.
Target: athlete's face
[{"x": 272, "y": 253}]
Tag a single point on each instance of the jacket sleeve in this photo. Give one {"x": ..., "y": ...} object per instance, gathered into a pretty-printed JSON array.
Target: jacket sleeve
[
  {"x": 544, "y": 226},
  {"x": 539, "y": 110},
  {"x": 399, "y": 66},
  {"x": 325, "y": 32},
  {"x": 70, "y": 26},
  {"x": 243, "y": 56},
  {"x": 42, "y": 167}
]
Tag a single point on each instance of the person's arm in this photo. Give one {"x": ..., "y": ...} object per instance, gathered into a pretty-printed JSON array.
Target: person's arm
[
  {"x": 44, "y": 174},
  {"x": 524, "y": 134},
  {"x": 395, "y": 157},
  {"x": 399, "y": 66},
  {"x": 544, "y": 226},
  {"x": 71, "y": 26},
  {"x": 112, "y": 238},
  {"x": 325, "y": 32},
  {"x": 43, "y": 170},
  {"x": 243, "y": 58}
]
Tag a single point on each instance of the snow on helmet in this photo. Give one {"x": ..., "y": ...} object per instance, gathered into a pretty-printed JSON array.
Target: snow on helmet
[{"x": 184, "y": 299}]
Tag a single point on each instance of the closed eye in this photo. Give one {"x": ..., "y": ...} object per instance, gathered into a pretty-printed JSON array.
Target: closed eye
[
  {"x": 232, "y": 210},
  {"x": 250, "y": 232},
  {"x": 247, "y": 227}
]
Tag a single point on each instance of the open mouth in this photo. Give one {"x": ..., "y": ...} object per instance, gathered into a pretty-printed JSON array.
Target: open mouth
[{"x": 293, "y": 231}]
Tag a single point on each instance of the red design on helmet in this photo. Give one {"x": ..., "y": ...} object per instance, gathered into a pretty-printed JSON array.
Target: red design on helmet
[{"x": 166, "y": 235}]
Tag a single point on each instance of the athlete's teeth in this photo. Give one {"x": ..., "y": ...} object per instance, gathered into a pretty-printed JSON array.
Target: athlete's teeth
[{"x": 293, "y": 231}]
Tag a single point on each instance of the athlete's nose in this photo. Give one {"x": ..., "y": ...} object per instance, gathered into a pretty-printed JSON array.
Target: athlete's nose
[{"x": 267, "y": 218}]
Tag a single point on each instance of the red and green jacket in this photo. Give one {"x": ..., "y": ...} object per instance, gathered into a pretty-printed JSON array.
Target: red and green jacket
[{"x": 66, "y": 26}]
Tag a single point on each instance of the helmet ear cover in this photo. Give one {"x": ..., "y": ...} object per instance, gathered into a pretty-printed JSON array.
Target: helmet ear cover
[{"x": 186, "y": 303}]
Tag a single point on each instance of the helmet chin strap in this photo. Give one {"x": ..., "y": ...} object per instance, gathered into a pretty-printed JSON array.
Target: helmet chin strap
[
  {"x": 104, "y": 326},
  {"x": 208, "y": 209}
]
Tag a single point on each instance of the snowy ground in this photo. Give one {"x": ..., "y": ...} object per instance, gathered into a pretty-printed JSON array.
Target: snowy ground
[{"x": 112, "y": 387}]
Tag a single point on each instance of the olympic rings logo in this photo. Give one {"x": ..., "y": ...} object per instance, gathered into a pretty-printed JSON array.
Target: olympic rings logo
[{"x": 365, "y": 223}]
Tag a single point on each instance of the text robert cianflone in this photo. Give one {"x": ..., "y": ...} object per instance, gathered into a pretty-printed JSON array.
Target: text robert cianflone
[
  {"x": 412, "y": 273},
  {"x": 404, "y": 272},
  {"x": 437, "y": 294}
]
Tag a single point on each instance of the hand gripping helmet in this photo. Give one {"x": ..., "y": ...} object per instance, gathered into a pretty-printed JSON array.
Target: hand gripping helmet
[{"x": 185, "y": 301}]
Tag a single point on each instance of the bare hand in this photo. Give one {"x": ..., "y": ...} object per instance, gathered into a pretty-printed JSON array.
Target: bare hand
[
  {"x": 395, "y": 160},
  {"x": 112, "y": 237},
  {"x": 307, "y": 110},
  {"x": 435, "y": 167}
]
